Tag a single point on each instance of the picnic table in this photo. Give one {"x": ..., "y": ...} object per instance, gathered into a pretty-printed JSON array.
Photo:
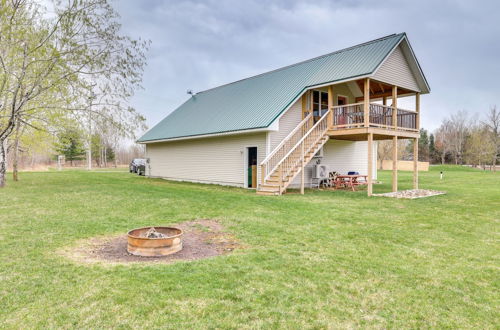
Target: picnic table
[{"x": 349, "y": 181}]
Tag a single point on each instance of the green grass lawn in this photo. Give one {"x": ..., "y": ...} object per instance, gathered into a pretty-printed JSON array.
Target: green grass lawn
[{"x": 322, "y": 260}]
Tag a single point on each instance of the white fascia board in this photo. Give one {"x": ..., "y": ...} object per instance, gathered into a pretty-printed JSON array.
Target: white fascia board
[{"x": 248, "y": 131}]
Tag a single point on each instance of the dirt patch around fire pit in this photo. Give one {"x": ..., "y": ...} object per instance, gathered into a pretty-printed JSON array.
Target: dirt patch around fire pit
[
  {"x": 412, "y": 194},
  {"x": 203, "y": 238}
]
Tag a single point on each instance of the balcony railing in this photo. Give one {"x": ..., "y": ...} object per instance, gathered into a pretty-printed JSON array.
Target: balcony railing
[{"x": 353, "y": 116}]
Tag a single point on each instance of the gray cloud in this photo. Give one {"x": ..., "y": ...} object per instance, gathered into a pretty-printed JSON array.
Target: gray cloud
[{"x": 202, "y": 44}]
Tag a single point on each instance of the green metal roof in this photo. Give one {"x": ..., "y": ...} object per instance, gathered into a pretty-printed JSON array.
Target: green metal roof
[{"x": 257, "y": 101}]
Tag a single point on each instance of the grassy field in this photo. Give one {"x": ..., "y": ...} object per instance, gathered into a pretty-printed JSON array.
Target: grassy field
[{"x": 323, "y": 260}]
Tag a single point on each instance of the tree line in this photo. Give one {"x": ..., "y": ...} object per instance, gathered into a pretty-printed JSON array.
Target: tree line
[
  {"x": 66, "y": 69},
  {"x": 460, "y": 139}
]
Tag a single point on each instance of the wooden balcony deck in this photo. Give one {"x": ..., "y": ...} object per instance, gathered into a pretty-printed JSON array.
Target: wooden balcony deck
[{"x": 349, "y": 122}]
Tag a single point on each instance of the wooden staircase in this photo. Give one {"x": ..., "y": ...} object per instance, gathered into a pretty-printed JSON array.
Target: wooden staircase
[{"x": 289, "y": 158}]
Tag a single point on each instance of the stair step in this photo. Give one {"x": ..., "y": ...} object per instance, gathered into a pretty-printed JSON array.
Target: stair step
[
  {"x": 267, "y": 193},
  {"x": 270, "y": 185}
]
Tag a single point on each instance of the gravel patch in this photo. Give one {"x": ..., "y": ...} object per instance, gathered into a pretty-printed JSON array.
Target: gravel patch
[{"x": 412, "y": 193}]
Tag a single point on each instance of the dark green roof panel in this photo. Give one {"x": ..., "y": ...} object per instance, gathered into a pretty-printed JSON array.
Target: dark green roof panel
[{"x": 255, "y": 102}]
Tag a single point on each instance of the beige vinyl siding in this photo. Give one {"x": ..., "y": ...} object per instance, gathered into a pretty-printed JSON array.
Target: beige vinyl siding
[
  {"x": 396, "y": 71},
  {"x": 217, "y": 160},
  {"x": 290, "y": 119},
  {"x": 345, "y": 156},
  {"x": 340, "y": 90},
  {"x": 341, "y": 156}
]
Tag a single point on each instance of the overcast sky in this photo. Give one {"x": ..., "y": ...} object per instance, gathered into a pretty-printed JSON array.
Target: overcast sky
[{"x": 202, "y": 44}]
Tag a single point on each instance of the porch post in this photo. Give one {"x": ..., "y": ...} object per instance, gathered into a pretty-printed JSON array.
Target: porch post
[
  {"x": 395, "y": 107},
  {"x": 304, "y": 104},
  {"x": 395, "y": 163},
  {"x": 415, "y": 163},
  {"x": 370, "y": 163},
  {"x": 385, "y": 111},
  {"x": 366, "y": 104},
  {"x": 262, "y": 174},
  {"x": 330, "y": 105},
  {"x": 417, "y": 109},
  {"x": 302, "y": 176},
  {"x": 280, "y": 179}
]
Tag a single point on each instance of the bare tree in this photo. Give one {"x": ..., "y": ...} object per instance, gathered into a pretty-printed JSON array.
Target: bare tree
[
  {"x": 384, "y": 152},
  {"x": 441, "y": 140},
  {"x": 492, "y": 124},
  {"x": 479, "y": 148},
  {"x": 456, "y": 134}
]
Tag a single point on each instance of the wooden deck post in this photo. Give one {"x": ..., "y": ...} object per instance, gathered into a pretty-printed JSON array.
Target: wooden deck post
[
  {"x": 415, "y": 163},
  {"x": 417, "y": 109},
  {"x": 302, "y": 176},
  {"x": 395, "y": 139},
  {"x": 384, "y": 100},
  {"x": 395, "y": 106},
  {"x": 366, "y": 102},
  {"x": 370, "y": 164},
  {"x": 280, "y": 178},
  {"x": 395, "y": 163},
  {"x": 304, "y": 104},
  {"x": 262, "y": 174},
  {"x": 330, "y": 106}
]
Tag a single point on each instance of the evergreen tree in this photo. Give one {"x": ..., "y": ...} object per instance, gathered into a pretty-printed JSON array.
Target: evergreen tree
[
  {"x": 110, "y": 154},
  {"x": 70, "y": 144},
  {"x": 423, "y": 146},
  {"x": 433, "y": 156}
]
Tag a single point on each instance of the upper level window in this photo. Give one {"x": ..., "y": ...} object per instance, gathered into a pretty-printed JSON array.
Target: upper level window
[{"x": 319, "y": 103}]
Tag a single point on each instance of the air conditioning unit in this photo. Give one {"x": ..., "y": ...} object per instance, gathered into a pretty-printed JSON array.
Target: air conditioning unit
[{"x": 320, "y": 171}]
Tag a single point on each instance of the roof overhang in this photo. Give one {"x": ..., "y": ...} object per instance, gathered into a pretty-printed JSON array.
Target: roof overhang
[{"x": 192, "y": 137}]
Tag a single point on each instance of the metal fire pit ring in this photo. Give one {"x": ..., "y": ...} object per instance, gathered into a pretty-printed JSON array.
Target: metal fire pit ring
[{"x": 139, "y": 245}]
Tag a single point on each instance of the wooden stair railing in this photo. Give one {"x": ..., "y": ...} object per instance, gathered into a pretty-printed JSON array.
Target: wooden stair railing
[
  {"x": 270, "y": 163},
  {"x": 278, "y": 170}
]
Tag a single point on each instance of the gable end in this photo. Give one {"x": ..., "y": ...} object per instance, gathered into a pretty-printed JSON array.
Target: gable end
[{"x": 395, "y": 70}]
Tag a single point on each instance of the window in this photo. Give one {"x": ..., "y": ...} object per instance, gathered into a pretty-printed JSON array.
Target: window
[
  {"x": 320, "y": 103},
  {"x": 341, "y": 100}
]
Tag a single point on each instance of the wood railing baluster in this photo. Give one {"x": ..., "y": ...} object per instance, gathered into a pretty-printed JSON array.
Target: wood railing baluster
[{"x": 352, "y": 116}]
